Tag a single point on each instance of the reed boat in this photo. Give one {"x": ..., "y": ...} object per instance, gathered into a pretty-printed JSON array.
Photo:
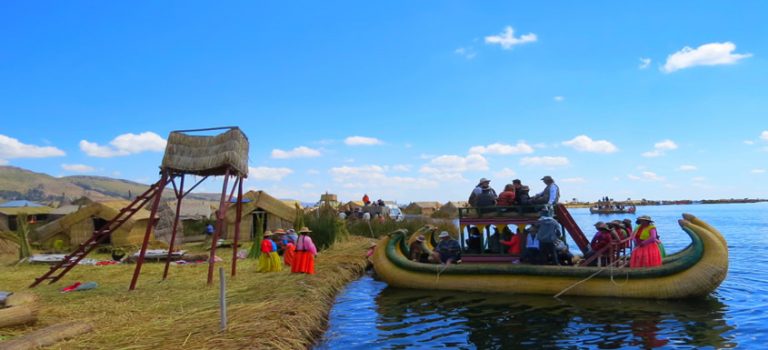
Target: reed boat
[
  {"x": 692, "y": 272},
  {"x": 613, "y": 209}
]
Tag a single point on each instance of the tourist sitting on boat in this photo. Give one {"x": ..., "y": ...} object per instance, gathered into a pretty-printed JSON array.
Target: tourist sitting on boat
[
  {"x": 563, "y": 253},
  {"x": 646, "y": 252},
  {"x": 304, "y": 258},
  {"x": 483, "y": 195},
  {"x": 474, "y": 241},
  {"x": 551, "y": 193},
  {"x": 269, "y": 261},
  {"x": 531, "y": 251},
  {"x": 601, "y": 239},
  {"x": 523, "y": 199},
  {"x": 507, "y": 198},
  {"x": 548, "y": 230},
  {"x": 513, "y": 243},
  {"x": 419, "y": 251},
  {"x": 447, "y": 250}
]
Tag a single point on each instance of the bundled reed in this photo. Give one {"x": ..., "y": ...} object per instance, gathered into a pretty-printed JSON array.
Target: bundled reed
[{"x": 207, "y": 155}]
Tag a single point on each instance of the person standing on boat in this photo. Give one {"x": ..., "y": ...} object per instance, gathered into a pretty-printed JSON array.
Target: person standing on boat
[
  {"x": 550, "y": 195},
  {"x": 531, "y": 252},
  {"x": 483, "y": 195},
  {"x": 646, "y": 252},
  {"x": 304, "y": 258},
  {"x": 548, "y": 231}
]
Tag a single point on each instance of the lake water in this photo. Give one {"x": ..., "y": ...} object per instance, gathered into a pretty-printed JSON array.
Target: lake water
[{"x": 369, "y": 314}]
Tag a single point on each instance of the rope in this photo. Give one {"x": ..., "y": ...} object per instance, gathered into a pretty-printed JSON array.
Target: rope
[{"x": 589, "y": 278}]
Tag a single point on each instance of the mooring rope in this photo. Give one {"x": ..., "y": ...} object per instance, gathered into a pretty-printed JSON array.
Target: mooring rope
[{"x": 589, "y": 278}]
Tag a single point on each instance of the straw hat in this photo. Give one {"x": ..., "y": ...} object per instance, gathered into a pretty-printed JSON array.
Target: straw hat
[
  {"x": 601, "y": 224},
  {"x": 305, "y": 230},
  {"x": 645, "y": 217},
  {"x": 267, "y": 233},
  {"x": 279, "y": 231},
  {"x": 483, "y": 180},
  {"x": 444, "y": 234},
  {"x": 421, "y": 238}
]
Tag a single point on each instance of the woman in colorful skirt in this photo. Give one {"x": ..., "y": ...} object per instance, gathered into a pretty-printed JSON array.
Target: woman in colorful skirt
[
  {"x": 290, "y": 250},
  {"x": 304, "y": 258},
  {"x": 646, "y": 252},
  {"x": 269, "y": 261}
]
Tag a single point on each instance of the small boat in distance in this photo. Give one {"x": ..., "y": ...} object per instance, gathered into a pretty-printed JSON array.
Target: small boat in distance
[{"x": 611, "y": 207}]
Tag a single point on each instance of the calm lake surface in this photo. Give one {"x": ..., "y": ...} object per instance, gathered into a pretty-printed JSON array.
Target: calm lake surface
[{"x": 369, "y": 314}]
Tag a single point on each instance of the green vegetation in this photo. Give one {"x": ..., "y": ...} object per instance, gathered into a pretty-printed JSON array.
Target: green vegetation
[
  {"x": 326, "y": 227},
  {"x": 23, "y": 232}
]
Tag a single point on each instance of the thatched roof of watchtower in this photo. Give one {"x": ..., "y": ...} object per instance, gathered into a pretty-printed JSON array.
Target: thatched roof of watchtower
[{"x": 207, "y": 155}]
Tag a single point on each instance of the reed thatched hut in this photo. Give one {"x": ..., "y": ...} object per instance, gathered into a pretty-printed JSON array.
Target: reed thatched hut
[
  {"x": 207, "y": 155},
  {"x": 422, "y": 208},
  {"x": 36, "y": 212},
  {"x": 78, "y": 227},
  {"x": 452, "y": 208},
  {"x": 276, "y": 214}
]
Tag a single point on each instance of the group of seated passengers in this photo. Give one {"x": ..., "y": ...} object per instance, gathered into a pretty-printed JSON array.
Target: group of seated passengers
[
  {"x": 483, "y": 195},
  {"x": 530, "y": 252},
  {"x": 447, "y": 250}
]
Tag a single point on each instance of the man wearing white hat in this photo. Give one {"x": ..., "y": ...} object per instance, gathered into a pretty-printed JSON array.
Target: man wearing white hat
[
  {"x": 483, "y": 195},
  {"x": 447, "y": 250}
]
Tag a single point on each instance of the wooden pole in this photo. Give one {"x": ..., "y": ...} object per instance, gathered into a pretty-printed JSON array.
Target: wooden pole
[
  {"x": 150, "y": 225},
  {"x": 223, "y": 299},
  {"x": 219, "y": 226},
  {"x": 238, "y": 218},
  {"x": 179, "y": 197}
]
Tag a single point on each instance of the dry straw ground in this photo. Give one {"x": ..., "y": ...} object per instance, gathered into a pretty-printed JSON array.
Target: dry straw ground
[{"x": 266, "y": 310}]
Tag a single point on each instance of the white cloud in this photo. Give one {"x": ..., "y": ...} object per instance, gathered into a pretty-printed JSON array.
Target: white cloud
[
  {"x": 644, "y": 63},
  {"x": 263, "y": 173},
  {"x": 705, "y": 55},
  {"x": 362, "y": 141},
  {"x": 505, "y": 173},
  {"x": 660, "y": 148},
  {"x": 455, "y": 164},
  {"x": 124, "y": 145},
  {"x": 749, "y": 142},
  {"x": 559, "y": 98},
  {"x": 11, "y": 148},
  {"x": 698, "y": 178},
  {"x": 646, "y": 176},
  {"x": 298, "y": 152},
  {"x": 758, "y": 171},
  {"x": 401, "y": 167},
  {"x": 584, "y": 143},
  {"x": 502, "y": 149},
  {"x": 78, "y": 168},
  {"x": 764, "y": 135},
  {"x": 466, "y": 52},
  {"x": 372, "y": 176},
  {"x": 574, "y": 180},
  {"x": 687, "y": 167},
  {"x": 545, "y": 161},
  {"x": 507, "y": 38}
]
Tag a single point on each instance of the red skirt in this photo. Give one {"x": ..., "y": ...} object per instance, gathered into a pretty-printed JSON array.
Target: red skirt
[
  {"x": 303, "y": 262},
  {"x": 647, "y": 256}
]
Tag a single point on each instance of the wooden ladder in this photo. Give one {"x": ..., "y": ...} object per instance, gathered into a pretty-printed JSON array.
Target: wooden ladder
[
  {"x": 58, "y": 270},
  {"x": 565, "y": 219}
]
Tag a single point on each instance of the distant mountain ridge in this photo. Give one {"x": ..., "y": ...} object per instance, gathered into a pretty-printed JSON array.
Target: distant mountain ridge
[{"x": 19, "y": 183}]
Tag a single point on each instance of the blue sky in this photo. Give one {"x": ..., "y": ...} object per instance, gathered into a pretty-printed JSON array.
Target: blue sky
[{"x": 403, "y": 100}]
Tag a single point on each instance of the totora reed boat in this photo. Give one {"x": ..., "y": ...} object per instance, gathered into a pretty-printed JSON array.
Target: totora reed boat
[{"x": 693, "y": 272}]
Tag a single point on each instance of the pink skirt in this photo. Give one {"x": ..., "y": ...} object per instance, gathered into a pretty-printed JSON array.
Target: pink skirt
[{"x": 647, "y": 256}]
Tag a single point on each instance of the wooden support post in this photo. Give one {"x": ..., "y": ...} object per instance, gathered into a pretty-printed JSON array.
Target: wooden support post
[
  {"x": 238, "y": 219},
  {"x": 219, "y": 226},
  {"x": 223, "y": 299},
  {"x": 179, "y": 197},
  {"x": 150, "y": 225}
]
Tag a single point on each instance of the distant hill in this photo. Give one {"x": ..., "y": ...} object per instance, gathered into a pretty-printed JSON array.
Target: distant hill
[{"x": 18, "y": 183}]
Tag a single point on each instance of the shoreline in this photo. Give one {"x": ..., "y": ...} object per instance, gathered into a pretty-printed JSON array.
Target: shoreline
[{"x": 265, "y": 310}]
